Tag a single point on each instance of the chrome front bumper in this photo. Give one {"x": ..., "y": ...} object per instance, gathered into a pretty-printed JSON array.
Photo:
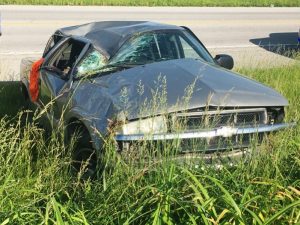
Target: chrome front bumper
[{"x": 217, "y": 132}]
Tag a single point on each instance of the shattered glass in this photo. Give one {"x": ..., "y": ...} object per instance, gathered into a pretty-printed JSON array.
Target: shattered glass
[
  {"x": 142, "y": 49},
  {"x": 158, "y": 46},
  {"x": 91, "y": 64},
  {"x": 138, "y": 50}
]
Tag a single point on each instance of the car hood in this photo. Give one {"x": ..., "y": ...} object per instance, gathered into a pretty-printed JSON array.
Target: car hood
[{"x": 177, "y": 85}]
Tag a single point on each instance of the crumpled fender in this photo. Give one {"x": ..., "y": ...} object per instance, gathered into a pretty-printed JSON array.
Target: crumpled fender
[{"x": 34, "y": 80}]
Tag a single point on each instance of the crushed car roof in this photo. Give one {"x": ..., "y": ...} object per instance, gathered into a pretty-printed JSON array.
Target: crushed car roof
[{"x": 108, "y": 36}]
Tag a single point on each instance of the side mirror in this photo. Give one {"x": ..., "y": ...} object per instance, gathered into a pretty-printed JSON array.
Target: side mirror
[{"x": 225, "y": 61}]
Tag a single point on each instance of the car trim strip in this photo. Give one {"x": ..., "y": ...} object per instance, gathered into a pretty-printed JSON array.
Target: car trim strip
[{"x": 217, "y": 132}]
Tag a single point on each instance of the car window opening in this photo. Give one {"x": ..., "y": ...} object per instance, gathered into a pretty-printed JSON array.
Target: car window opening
[{"x": 65, "y": 59}]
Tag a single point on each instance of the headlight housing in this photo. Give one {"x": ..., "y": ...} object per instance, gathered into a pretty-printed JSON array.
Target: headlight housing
[
  {"x": 153, "y": 125},
  {"x": 276, "y": 115}
]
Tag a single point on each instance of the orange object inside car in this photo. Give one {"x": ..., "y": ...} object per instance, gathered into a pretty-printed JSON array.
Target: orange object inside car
[{"x": 34, "y": 80}]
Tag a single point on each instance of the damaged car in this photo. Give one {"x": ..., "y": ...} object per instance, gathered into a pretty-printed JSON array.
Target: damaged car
[{"x": 144, "y": 81}]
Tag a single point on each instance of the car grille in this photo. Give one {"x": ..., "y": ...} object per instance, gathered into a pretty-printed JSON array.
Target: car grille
[
  {"x": 213, "y": 119},
  {"x": 219, "y": 143},
  {"x": 198, "y": 120}
]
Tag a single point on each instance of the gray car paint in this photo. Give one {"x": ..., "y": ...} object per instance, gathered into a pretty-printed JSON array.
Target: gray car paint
[
  {"x": 96, "y": 100},
  {"x": 214, "y": 86},
  {"x": 93, "y": 101}
]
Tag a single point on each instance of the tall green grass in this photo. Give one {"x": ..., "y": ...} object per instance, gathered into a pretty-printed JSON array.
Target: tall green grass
[
  {"x": 266, "y": 3},
  {"x": 37, "y": 186}
]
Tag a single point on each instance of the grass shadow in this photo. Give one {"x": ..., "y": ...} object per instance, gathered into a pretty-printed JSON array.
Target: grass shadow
[
  {"x": 11, "y": 98},
  {"x": 285, "y": 44}
]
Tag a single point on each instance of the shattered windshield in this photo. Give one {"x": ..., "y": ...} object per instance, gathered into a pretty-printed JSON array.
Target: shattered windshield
[
  {"x": 94, "y": 63},
  {"x": 91, "y": 64},
  {"x": 160, "y": 46},
  {"x": 142, "y": 49}
]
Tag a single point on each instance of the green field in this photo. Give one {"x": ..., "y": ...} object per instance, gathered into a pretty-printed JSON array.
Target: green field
[
  {"x": 265, "y": 3},
  {"x": 37, "y": 187}
]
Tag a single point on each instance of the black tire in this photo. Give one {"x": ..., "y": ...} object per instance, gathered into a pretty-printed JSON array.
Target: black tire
[
  {"x": 85, "y": 162},
  {"x": 84, "y": 157}
]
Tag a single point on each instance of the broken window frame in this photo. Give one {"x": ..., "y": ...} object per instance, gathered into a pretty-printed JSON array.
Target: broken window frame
[
  {"x": 54, "y": 39},
  {"x": 55, "y": 56}
]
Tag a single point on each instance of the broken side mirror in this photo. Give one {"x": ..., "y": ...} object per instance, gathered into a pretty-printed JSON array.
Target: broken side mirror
[{"x": 225, "y": 61}]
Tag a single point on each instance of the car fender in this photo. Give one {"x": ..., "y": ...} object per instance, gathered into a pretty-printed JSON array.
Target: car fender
[{"x": 97, "y": 129}]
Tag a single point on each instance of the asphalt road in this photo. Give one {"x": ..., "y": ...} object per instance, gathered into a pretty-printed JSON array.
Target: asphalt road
[{"x": 246, "y": 33}]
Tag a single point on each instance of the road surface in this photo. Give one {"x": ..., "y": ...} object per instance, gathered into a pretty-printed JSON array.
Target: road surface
[{"x": 237, "y": 31}]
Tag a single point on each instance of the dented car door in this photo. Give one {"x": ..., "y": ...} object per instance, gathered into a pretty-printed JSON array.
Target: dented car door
[{"x": 56, "y": 75}]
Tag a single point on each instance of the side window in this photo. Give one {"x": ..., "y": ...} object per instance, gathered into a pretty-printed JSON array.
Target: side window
[
  {"x": 91, "y": 64},
  {"x": 64, "y": 59},
  {"x": 188, "y": 51},
  {"x": 197, "y": 47}
]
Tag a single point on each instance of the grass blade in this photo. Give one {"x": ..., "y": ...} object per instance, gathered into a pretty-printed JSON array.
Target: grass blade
[{"x": 281, "y": 212}]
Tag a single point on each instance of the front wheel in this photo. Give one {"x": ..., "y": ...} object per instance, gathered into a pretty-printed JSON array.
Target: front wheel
[
  {"x": 85, "y": 162},
  {"x": 84, "y": 158}
]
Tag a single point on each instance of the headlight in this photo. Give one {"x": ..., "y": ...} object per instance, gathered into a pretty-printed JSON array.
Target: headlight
[
  {"x": 276, "y": 115},
  {"x": 154, "y": 125}
]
